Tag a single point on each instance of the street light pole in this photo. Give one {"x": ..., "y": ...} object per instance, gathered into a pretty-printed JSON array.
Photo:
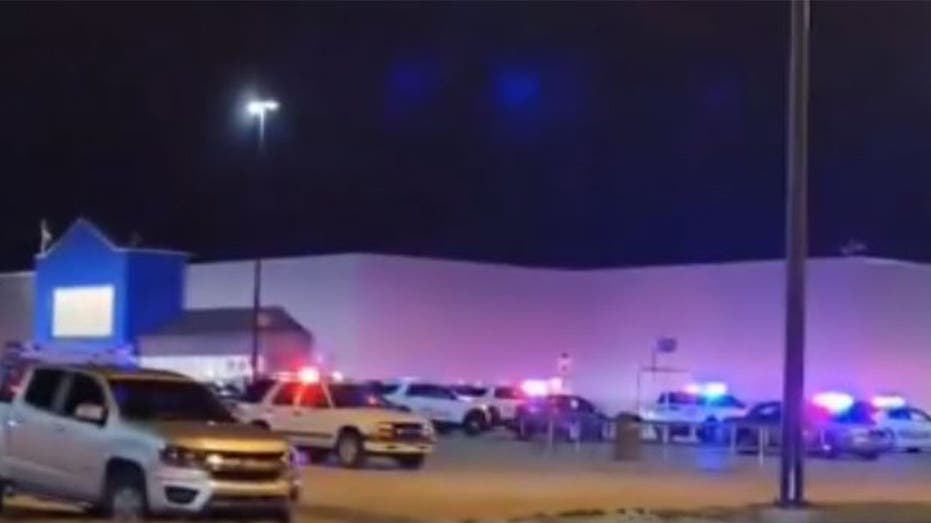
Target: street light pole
[
  {"x": 792, "y": 477},
  {"x": 258, "y": 109}
]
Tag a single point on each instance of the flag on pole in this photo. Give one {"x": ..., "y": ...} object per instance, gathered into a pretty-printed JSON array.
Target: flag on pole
[{"x": 45, "y": 236}]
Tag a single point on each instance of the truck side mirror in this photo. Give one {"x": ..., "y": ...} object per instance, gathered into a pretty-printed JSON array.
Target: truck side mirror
[{"x": 90, "y": 413}]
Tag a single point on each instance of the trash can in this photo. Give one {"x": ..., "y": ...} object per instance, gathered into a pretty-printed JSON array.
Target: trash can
[{"x": 627, "y": 437}]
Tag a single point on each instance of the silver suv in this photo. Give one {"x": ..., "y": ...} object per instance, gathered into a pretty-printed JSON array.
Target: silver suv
[{"x": 134, "y": 442}]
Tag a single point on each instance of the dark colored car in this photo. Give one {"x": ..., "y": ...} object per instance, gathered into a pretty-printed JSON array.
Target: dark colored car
[
  {"x": 571, "y": 416},
  {"x": 852, "y": 431}
]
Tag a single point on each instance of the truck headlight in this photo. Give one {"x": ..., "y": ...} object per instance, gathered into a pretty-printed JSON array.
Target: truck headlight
[
  {"x": 384, "y": 430},
  {"x": 175, "y": 456}
]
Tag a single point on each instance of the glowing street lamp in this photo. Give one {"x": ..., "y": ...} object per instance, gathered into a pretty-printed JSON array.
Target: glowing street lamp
[{"x": 258, "y": 109}]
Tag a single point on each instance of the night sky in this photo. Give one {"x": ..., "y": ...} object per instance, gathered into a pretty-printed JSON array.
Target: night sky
[{"x": 575, "y": 135}]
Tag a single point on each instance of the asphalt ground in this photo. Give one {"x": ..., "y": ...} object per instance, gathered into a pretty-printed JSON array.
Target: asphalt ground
[{"x": 493, "y": 476}]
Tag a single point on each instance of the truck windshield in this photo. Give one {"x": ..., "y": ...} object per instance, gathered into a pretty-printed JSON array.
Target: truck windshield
[
  {"x": 346, "y": 395},
  {"x": 167, "y": 400}
]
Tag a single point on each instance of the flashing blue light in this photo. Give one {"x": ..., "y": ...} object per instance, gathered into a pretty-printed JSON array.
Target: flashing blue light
[
  {"x": 714, "y": 389},
  {"x": 518, "y": 88},
  {"x": 709, "y": 390}
]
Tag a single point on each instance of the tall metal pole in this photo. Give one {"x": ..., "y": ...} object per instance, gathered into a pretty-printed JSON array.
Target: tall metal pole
[
  {"x": 257, "y": 273},
  {"x": 792, "y": 477}
]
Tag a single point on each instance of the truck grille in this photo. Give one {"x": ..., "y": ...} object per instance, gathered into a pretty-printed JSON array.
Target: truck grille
[
  {"x": 408, "y": 431},
  {"x": 229, "y": 466}
]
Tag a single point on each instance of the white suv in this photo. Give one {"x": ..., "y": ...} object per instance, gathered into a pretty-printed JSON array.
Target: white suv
[
  {"x": 349, "y": 420},
  {"x": 502, "y": 400},
  {"x": 686, "y": 412},
  {"x": 438, "y": 403}
]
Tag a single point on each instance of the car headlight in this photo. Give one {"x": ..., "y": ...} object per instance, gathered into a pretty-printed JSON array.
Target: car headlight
[{"x": 181, "y": 457}]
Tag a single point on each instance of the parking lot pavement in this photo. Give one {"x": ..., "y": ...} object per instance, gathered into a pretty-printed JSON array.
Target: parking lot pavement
[{"x": 496, "y": 477}]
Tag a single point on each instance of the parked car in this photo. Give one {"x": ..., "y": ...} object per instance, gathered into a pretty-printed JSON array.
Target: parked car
[
  {"x": 134, "y": 442},
  {"x": 852, "y": 430},
  {"x": 700, "y": 409},
  {"x": 349, "y": 420},
  {"x": 572, "y": 418},
  {"x": 502, "y": 400},
  {"x": 910, "y": 427},
  {"x": 438, "y": 403}
]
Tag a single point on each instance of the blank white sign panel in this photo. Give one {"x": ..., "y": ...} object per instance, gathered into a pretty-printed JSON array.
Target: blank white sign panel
[{"x": 83, "y": 312}]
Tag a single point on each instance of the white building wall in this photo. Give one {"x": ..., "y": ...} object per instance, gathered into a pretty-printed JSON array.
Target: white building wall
[{"x": 383, "y": 316}]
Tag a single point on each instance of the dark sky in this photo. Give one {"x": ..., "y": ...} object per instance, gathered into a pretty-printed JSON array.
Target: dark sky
[{"x": 533, "y": 133}]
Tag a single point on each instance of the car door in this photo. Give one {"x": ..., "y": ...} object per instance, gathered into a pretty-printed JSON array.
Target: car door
[
  {"x": 911, "y": 427},
  {"x": 431, "y": 401},
  {"x": 84, "y": 446},
  {"x": 34, "y": 431},
  {"x": 281, "y": 408},
  {"x": 315, "y": 418}
]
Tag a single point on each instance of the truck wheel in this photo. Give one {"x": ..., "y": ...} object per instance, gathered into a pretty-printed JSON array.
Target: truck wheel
[
  {"x": 283, "y": 514},
  {"x": 125, "y": 495},
  {"x": 474, "y": 423},
  {"x": 411, "y": 461},
  {"x": 349, "y": 449}
]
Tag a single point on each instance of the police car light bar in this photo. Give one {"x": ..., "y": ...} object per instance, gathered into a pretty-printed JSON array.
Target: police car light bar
[
  {"x": 835, "y": 402},
  {"x": 888, "y": 402},
  {"x": 711, "y": 389}
]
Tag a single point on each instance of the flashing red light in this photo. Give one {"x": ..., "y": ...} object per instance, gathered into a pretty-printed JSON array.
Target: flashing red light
[{"x": 309, "y": 375}]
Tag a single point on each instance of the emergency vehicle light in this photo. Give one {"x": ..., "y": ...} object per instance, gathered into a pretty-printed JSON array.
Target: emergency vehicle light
[
  {"x": 835, "y": 402},
  {"x": 888, "y": 402},
  {"x": 309, "y": 375}
]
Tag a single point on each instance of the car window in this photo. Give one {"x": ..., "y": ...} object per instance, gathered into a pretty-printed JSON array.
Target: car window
[
  {"x": 508, "y": 393},
  {"x": 43, "y": 388},
  {"x": 83, "y": 390},
  {"x": 424, "y": 390},
  {"x": 899, "y": 414},
  {"x": 920, "y": 415},
  {"x": 257, "y": 390},
  {"x": 470, "y": 391},
  {"x": 386, "y": 388},
  {"x": 859, "y": 414},
  {"x": 766, "y": 411},
  {"x": 313, "y": 396},
  {"x": 725, "y": 400},
  {"x": 349, "y": 395},
  {"x": 584, "y": 406},
  {"x": 677, "y": 398},
  {"x": 286, "y": 394}
]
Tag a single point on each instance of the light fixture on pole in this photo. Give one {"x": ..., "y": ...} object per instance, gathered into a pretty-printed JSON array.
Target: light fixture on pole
[{"x": 258, "y": 109}]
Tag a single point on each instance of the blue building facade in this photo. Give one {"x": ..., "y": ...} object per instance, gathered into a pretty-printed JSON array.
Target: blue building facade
[{"x": 92, "y": 295}]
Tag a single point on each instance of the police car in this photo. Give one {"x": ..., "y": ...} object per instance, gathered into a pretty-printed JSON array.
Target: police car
[
  {"x": 697, "y": 409},
  {"x": 834, "y": 424},
  {"x": 440, "y": 404},
  {"x": 910, "y": 427},
  {"x": 324, "y": 417},
  {"x": 502, "y": 400}
]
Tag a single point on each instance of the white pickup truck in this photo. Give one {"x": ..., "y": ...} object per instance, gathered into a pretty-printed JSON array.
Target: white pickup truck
[
  {"x": 132, "y": 442},
  {"x": 349, "y": 420}
]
